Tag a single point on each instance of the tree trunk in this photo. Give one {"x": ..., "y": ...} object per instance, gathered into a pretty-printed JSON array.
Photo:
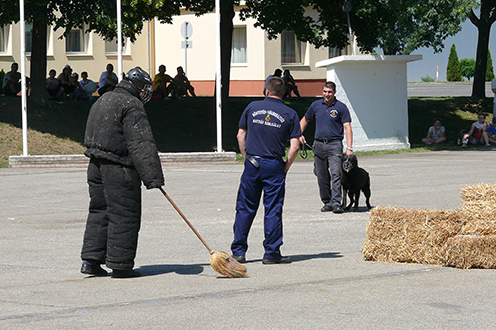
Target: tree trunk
[
  {"x": 226, "y": 32},
  {"x": 39, "y": 63},
  {"x": 479, "y": 84},
  {"x": 483, "y": 25}
]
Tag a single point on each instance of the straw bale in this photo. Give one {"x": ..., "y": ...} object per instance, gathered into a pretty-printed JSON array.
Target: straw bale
[
  {"x": 479, "y": 218},
  {"x": 478, "y": 192},
  {"x": 479, "y": 209},
  {"x": 402, "y": 235},
  {"x": 462, "y": 238},
  {"x": 470, "y": 251}
]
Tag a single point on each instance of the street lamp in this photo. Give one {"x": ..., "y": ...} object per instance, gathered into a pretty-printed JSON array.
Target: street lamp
[
  {"x": 24, "y": 107},
  {"x": 347, "y": 9}
]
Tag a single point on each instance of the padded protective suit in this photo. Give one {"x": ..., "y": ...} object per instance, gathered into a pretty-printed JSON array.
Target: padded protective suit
[{"x": 122, "y": 153}]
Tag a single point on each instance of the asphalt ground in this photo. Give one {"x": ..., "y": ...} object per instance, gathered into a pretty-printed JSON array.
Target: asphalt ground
[
  {"x": 328, "y": 286},
  {"x": 444, "y": 89}
]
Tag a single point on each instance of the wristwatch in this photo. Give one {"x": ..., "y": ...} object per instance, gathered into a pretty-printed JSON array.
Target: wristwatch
[{"x": 349, "y": 148}]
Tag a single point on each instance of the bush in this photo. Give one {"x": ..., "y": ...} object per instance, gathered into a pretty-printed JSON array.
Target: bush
[
  {"x": 467, "y": 67},
  {"x": 489, "y": 68},
  {"x": 453, "y": 69},
  {"x": 427, "y": 78}
]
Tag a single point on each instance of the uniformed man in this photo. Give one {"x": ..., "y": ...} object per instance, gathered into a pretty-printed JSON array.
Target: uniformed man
[
  {"x": 333, "y": 120},
  {"x": 264, "y": 129},
  {"x": 122, "y": 154}
]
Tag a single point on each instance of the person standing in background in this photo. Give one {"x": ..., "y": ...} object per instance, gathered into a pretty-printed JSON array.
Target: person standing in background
[{"x": 333, "y": 121}]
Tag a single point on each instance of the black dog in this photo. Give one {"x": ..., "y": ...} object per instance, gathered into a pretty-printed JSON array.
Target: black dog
[{"x": 353, "y": 180}]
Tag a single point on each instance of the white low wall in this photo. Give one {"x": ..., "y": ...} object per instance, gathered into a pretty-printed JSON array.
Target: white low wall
[
  {"x": 374, "y": 87},
  {"x": 82, "y": 160}
]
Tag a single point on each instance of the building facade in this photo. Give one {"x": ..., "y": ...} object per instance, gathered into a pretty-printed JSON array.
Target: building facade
[
  {"x": 254, "y": 56},
  {"x": 82, "y": 51}
]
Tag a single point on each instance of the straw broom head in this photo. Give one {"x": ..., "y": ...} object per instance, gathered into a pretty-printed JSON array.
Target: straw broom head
[
  {"x": 226, "y": 265},
  {"x": 220, "y": 261}
]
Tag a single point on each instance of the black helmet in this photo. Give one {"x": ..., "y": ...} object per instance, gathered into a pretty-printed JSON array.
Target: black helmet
[{"x": 142, "y": 81}]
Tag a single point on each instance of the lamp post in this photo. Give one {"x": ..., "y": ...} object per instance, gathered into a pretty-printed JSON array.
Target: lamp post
[
  {"x": 23, "y": 81},
  {"x": 119, "y": 41},
  {"x": 347, "y": 9}
]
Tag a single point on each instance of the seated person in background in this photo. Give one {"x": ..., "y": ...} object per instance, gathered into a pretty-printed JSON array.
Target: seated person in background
[
  {"x": 290, "y": 84},
  {"x": 435, "y": 134},
  {"x": 66, "y": 82},
  {"x": 162, "y": 82},
  {"x": 53, "y": 86},
  {"x": 88, "y": 86},
  {"x": 491, "y": 131},
  {"x": 277, "y": 73},
  {"x": 108, "y": 80},
  {"x": 11, "y": 84},
  {"x": 79, "y": 93},
  {"x": 477, "y": 133},
  {"x": 183, "y": 86}
]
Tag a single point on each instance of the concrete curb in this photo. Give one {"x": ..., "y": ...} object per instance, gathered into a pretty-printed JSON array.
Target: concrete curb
[{"x": 82, "y": 160}]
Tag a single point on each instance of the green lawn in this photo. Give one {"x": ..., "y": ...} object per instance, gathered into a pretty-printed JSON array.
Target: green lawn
[{"x": 190, "y": 125}]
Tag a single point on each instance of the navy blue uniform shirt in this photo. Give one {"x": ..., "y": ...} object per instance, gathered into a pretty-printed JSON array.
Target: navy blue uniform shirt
[
  {"x": 269, "y": 124},
  {"x": 329, "y": 119}
]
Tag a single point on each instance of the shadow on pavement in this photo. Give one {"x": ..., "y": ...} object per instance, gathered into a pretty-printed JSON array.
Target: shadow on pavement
[
  {"x": 153, "y": 270},
  {"x": 323, "y": 255}
]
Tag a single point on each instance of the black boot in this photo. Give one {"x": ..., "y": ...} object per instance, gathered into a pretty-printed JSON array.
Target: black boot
[{"x": 92, "y": 267}]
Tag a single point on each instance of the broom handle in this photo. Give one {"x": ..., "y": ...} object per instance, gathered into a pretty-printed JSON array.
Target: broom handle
[{"x": 187, "y": 221}]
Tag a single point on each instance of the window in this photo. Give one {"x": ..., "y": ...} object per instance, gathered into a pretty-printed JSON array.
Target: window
[
  {"x": 74, "y": 41},
  {"x": 238, "y": 51},
  {"x": 290, "y": 48},
  {"x": 28, "y": 30},
  {"x": 3, "y": 39},
  {"x": 111, "y": 46}
]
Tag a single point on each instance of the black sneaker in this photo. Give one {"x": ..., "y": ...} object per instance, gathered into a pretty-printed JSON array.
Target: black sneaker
[
  {"x": 127, "y": 273},
  {"x": 240, "y": 259},
  {"x": 281, "y": 260},
  {"x": 93, "y": 268}
]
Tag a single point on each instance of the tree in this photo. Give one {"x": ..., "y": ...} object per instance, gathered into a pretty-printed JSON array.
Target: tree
[
  {"x": 467, "y": 67},
  {"x": 489, "y": 67},
  {"x": 406, "y": 25},
  {"x": 483, "y": 23},
  {"x": 453, "y": 69},
  {"x": 397, "y": 26},
  {"x": 226, "y": 31}
]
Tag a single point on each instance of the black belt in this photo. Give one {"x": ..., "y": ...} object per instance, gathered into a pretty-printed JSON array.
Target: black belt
[
  {"x": 326, "y": 141},
  {"x": 268, "y": 157},
  {"x": 253, "y": 161}
]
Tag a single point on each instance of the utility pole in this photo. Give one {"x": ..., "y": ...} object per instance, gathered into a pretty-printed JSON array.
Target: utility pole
[{"x": 347, "y": 9}]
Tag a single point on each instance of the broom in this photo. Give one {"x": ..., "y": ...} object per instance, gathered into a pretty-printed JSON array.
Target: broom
[{"x": 220, "y": 261}]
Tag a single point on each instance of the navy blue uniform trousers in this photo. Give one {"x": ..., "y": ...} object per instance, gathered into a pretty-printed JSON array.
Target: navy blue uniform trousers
[
  {"x": 114, "y": 218},
  {"x": 270, "y": 179},
  {"x": 327, "y": 168}
]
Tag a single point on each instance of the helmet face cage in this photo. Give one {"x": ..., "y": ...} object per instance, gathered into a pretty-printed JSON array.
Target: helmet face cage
[
  {"x": 142, "y": 81},
  {"x": 146, "y": 93}
]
